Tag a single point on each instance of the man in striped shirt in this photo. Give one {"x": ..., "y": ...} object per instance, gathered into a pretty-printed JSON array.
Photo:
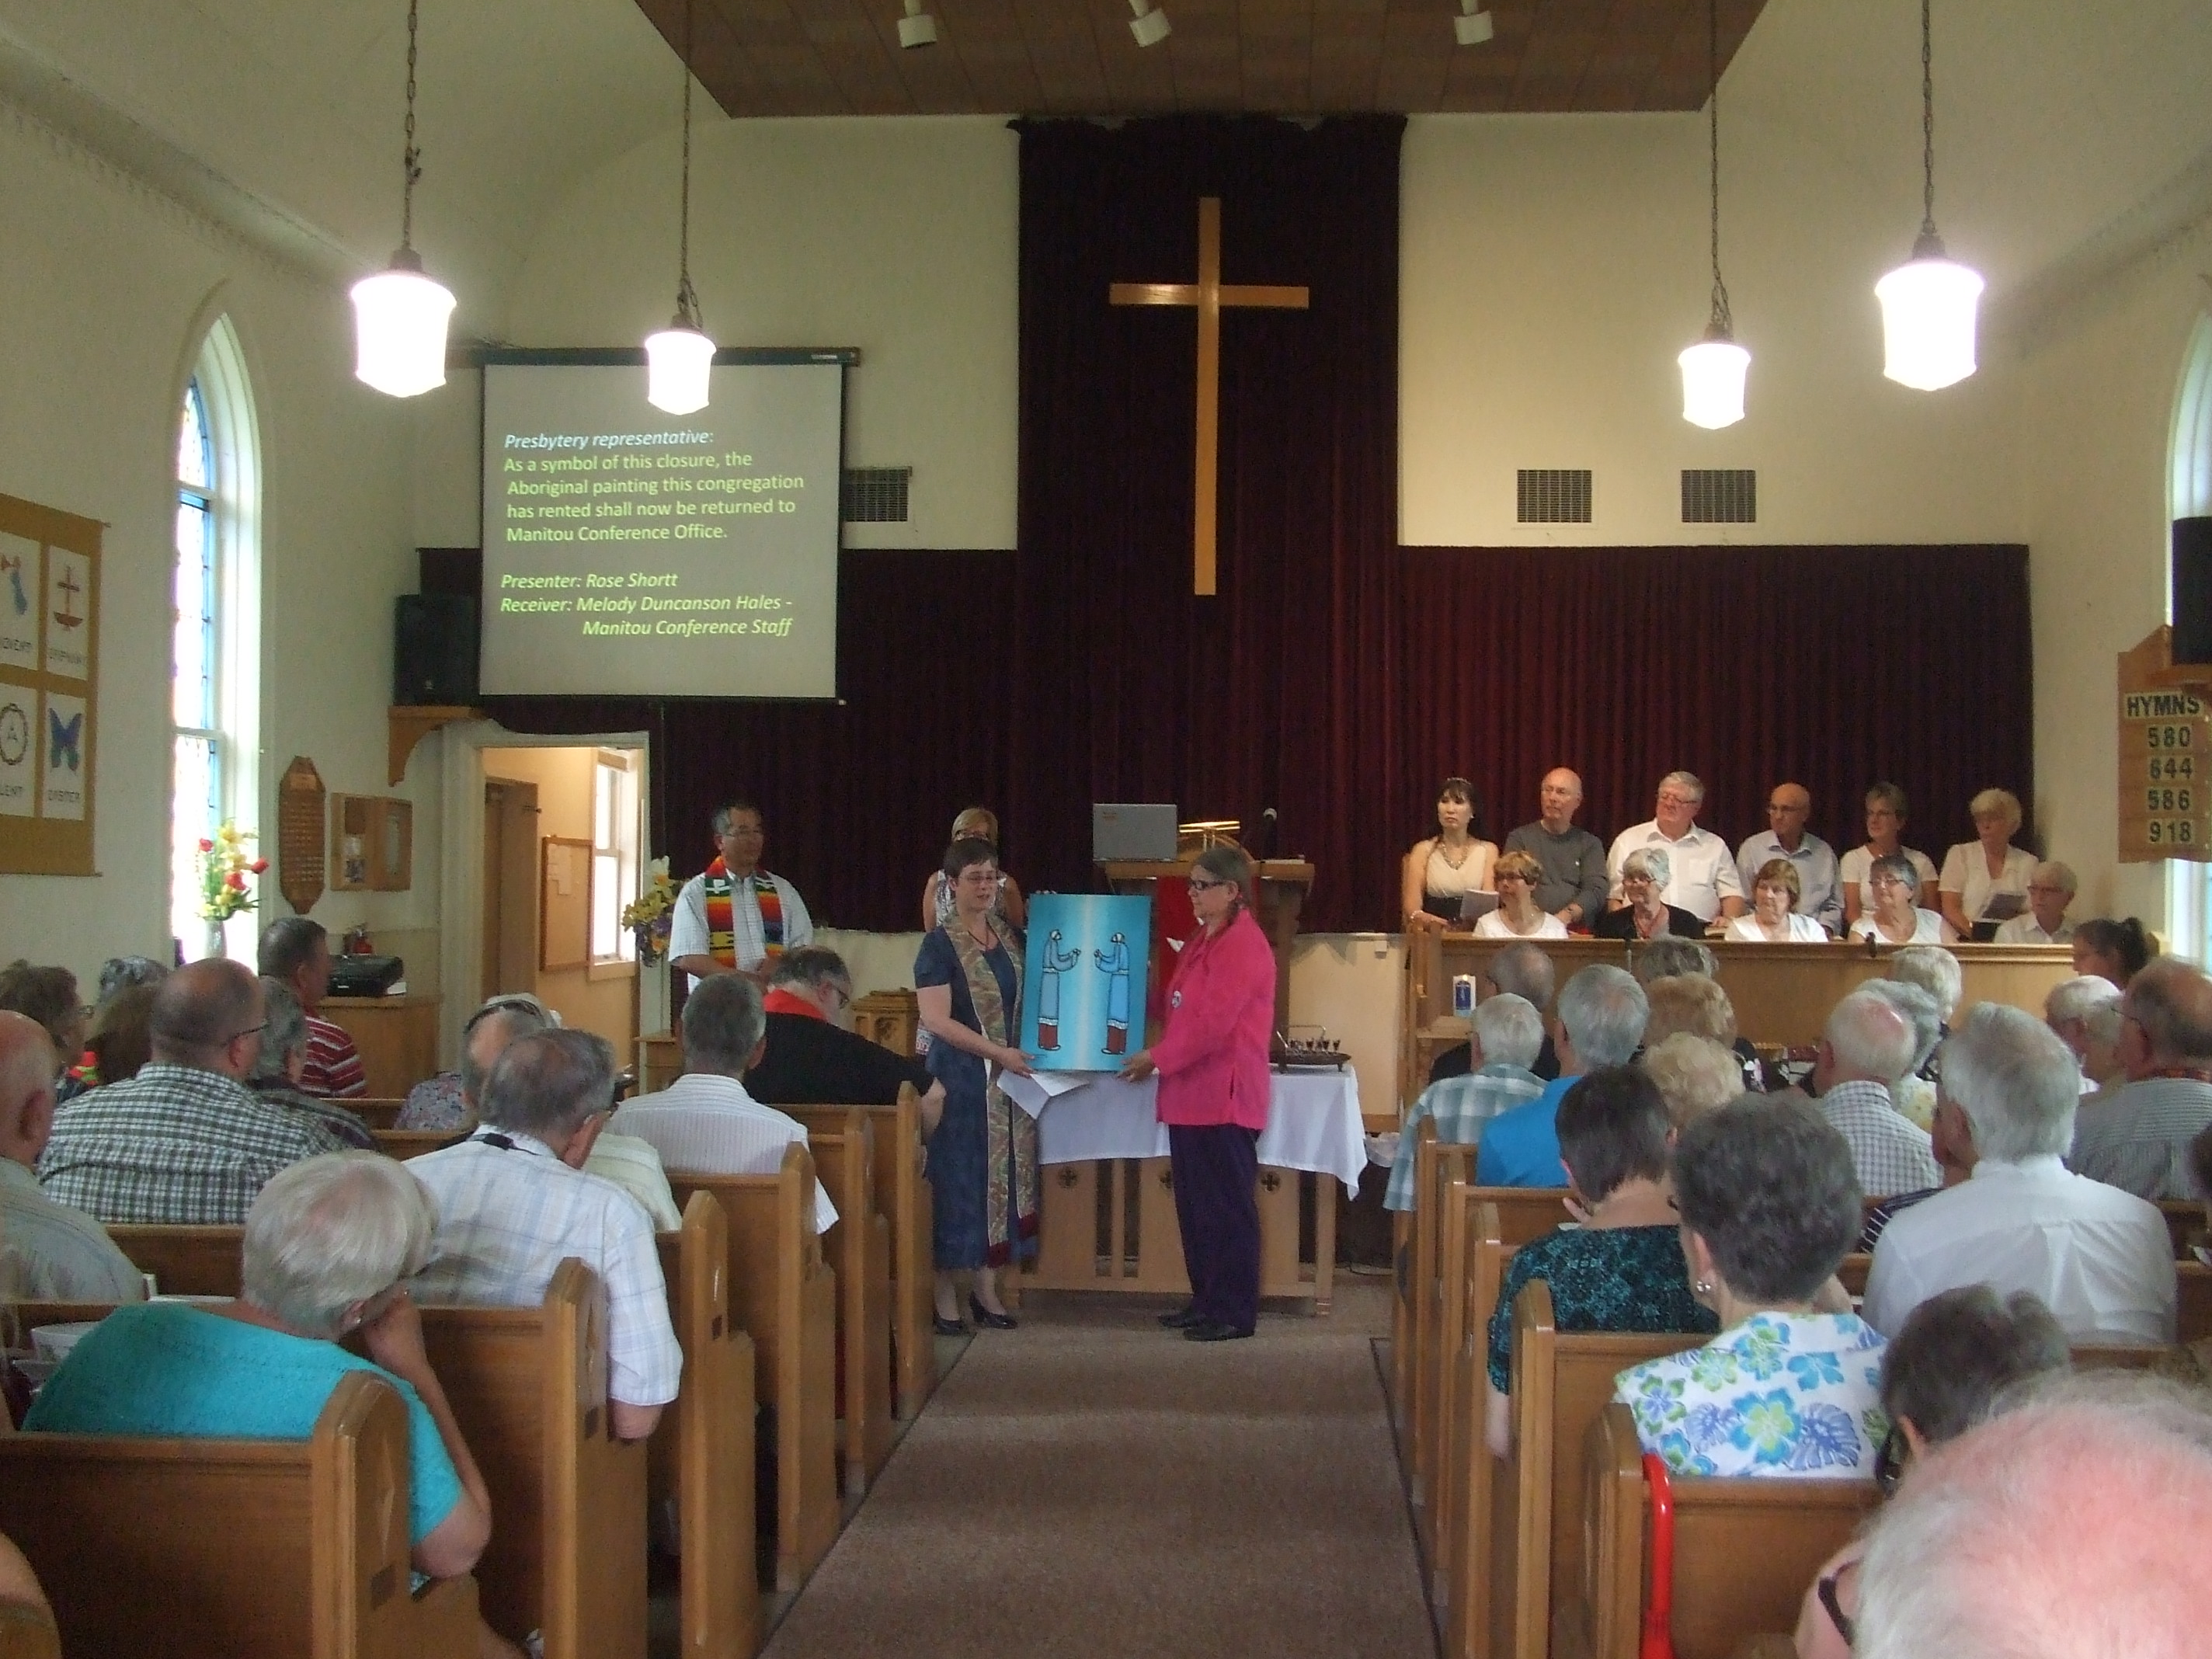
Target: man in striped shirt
[
  {"x": 298, "y": 951},
  {"x": 2139, "y": 1140}
]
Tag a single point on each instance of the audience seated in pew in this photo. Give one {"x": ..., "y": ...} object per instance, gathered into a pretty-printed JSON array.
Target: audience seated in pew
[
  {"x": 48, "y": 1252},
  {"x": 1622, "y": 1269},
  {"x": 1866, "y": 1046},
  {"x": 1522, "y": 971},
  {"x": 1693, "y": 1074},
  {"x": 2072, "y": 1524},
  {"x": 514, "y": 1201},
  {"x": 184, "y": 1143},
  {"x": 1692, "y": 1000},
  {"x": 1769, "y": 1206},
  {"x": 2085, "y": 1013},
  {"x": 121, "y": 1042},
  {"x": 2101, "y": 1259},
  {"x": 1913, "y": 1095},
  {"x": 283, "y": 1061},
  {"x": 1599, "y": 1023},
  {"x": 810, "y": 1056},
  {"x": 2137, "y": 1138},
  {"x": 298, "y": 951},
  {"x": 1948, "y": 1370},
  {"x": 330, "y": 1245},
  {"x": 705, "y": 1122},
  {"x": 632, "y": 1164},
  {"x": 48, "y": 996},
  {"x": 1508, "y": 1034}
]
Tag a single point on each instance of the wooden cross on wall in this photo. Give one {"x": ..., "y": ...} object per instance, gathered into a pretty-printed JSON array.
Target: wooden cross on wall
[{"x": 1209, "y": 295}]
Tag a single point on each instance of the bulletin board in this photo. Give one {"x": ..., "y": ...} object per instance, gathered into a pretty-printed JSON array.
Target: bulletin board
[
  {"x": 564, "y": 902},
  {"x": 49, "y": 688}
]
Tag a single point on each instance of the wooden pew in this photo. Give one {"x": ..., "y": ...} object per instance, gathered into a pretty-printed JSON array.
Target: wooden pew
[
  {"x": 1561, "y": 1381},
  {"x": 1852, "y": 1272},
  {"x": 702, "y": 1454},
  {"x": 785, "y": 1295},
  {"x": 413, "y": 1143},
  {"x": 27, "y": 1632},
  {"x": 1436, "y": 1164},
  {"x": 377, "y": 1113},
  {"x": 529, "y": 1389},
  {"x": 186, "y": 1261},
  {"x": 2194, "y": 1285},
  {"x": 1743, "y": 1551},
  {"x": 858, "y": 1251},
  {"x": 234, "y": 1549},
  {"x": 903, "y": 1199},
  {"x": 1461, "y": 1579},
  {"x": 2184, "y": 1221}
]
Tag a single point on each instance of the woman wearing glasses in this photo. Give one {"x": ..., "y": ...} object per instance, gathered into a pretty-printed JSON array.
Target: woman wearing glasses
[
  {"x": 1895, "y": 919},
  {"x": 1647, "y": 914},
  {"x": 1212, "y": 1059}
]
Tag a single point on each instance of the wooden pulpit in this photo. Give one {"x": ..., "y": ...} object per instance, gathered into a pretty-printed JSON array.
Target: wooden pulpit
[{"x": 1282, "y": 884}]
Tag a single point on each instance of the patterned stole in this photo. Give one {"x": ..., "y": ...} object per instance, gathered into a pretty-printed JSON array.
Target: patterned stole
[
  {"x": 722, "y": 926},
  {"x": 1011, "y": 1140}
]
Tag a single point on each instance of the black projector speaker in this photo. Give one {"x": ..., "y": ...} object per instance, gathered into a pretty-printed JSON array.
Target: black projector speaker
[{"x": 434, "y": 650}]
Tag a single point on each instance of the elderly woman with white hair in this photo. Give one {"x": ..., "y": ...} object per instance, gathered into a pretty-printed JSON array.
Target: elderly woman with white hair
[
  {"x": 1976, "y": 872},
  {"x": 1895, "y": 918},
  {"x": 330, "y": 1243},
  {"x": 1644, "y": 878},
  {"x": 2085, "y": 1012},
  {"x": 2050, "y": 888}
]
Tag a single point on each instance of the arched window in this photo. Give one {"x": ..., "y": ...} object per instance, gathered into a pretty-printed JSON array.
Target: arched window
[
  {"x": 2189, "y": 495},
  {"x": 216, "y": 640}
]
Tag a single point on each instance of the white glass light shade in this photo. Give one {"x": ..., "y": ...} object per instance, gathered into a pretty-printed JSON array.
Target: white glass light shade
[
  {"x": 1927, "y": 308},
  {"x": 399, "y": 330},
  {"x": 677, "y": 361},
  {"x": 1713, "y": 382}
]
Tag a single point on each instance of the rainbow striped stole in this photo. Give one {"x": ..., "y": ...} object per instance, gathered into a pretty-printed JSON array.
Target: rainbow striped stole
[{"x": 722, "y": 926}]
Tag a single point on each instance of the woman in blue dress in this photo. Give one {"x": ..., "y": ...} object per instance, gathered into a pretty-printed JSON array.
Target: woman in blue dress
[{"x": 984, "y": 1156}]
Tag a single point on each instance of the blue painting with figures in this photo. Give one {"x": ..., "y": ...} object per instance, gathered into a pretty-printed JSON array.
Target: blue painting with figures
[{"x": 1082, "y": 982}]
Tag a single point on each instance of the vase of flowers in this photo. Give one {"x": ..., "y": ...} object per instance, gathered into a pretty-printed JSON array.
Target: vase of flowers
[
  {"x": 226, "y": 861},
  {"x": 650, "y": 918}
]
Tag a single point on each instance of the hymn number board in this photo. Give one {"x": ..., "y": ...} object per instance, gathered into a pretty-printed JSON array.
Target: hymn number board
[
  {"x": 49, "y": 681},
  {"x": 2165, "y": 756}
]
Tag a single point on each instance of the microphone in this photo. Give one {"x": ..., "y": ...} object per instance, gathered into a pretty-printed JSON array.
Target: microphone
[{"x": 1267, "y": 832}]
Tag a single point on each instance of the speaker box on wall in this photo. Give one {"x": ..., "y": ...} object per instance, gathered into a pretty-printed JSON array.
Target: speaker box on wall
[
  {"x": 434, "y": 650},
  {"x": 2192, "y": 590}
]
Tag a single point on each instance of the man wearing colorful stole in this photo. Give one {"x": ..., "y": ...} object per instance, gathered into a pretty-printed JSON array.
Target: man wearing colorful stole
[{"x": 736, "y": 918}]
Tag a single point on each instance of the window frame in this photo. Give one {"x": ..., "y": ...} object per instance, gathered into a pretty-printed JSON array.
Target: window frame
[{"x": 616, "y": 859}]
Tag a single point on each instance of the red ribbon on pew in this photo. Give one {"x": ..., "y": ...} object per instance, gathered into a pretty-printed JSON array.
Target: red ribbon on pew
[{"x": 1658, "y": 1642}]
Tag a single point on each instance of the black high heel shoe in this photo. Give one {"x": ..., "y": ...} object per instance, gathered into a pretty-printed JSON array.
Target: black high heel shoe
[
  {"x": 945, "y": 1327},
  {"x": 984, "y": 1317}
]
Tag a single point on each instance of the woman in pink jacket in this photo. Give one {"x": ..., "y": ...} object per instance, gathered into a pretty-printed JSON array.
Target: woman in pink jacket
[{"x": 1212, "y": 1059}]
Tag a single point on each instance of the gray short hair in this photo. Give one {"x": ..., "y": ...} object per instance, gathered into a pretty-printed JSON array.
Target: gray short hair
[
  {"x": 723, "y": 1021},
  {"x": 1603, "y": 1009},
  {"x": 2000, "y": 802},
  {"x": 1770, "y": 1185},
  {"x": 1650, "y": 862},
  {"x": 515, "y": 1014},
  {"x": 2060, "y": 874},
  {"x": 548, "y": 1083},
  {"x": 2077, "y": 998},
  {"x": 1935, "y": 970},
  {"x": 2172, "y": 1001},
  {"x": 2068, "y": 1525},
  {"x": 1896, "y": 865},
  {"x": 1687, "y": 783},
  {"x": 1693, "y": 1075},
  {"x": 1510, "y": 1030},
  {"x": 1669, "y": 957},
  {"x": 2015, "y": 1081},
  {"x": 121, "y": 973},
  {"x": 1870, "y": 1036},
  {"x": 810, "y": 965},
  {"x": 1918, "y": 1006},
  {"x": 283, "y": 1029},
  {"x": 331, "y": 1230},
  {"x": 1524, "y": 970}
]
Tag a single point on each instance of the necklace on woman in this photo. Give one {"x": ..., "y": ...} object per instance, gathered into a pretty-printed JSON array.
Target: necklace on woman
[{"x": 1466, "y": 848}]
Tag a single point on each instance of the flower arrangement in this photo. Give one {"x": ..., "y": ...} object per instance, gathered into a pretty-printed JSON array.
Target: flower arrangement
[
  {"x": 224, "y": 865},
  {"x": 652, "y": 916}
]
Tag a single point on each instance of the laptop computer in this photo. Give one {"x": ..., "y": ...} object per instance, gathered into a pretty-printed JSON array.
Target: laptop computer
[{"x": 1125, "y": 830}]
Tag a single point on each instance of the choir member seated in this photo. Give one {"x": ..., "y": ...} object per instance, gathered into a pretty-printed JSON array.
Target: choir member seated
[
  {"x": 1646, "y": 915},
  {"x": 1895, "y": 918},
  {"x": 1975, "y": 872},
  {"x": 2050, "y": 891},
  {"x": 1440, "y": 872},
  {"x": 811, "y": 1056}
]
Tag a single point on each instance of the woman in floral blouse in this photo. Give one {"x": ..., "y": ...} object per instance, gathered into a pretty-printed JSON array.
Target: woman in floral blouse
[{"x": 1770, "y": 1205}]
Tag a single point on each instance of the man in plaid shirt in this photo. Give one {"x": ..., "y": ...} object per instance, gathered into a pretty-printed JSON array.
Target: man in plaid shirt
[
  {"x": 1865, "y": 1048},
  {"x": 184, "y": 1143},
  {"x": 1508, "y": 1033},
  {"x": 513, "y": 1199}
]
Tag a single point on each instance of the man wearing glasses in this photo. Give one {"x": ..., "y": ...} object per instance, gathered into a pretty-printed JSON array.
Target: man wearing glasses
[
  {"x": 812, "y": 1056},
  {"x": 735, "y": 917},
  {"x": 184, "y": 1143},
  {"x": 1702, "y": 876}
]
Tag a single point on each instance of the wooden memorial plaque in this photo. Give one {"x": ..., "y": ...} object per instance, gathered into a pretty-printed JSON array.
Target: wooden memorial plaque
[
  {"x": 2165, "y": 750},
  {"x": 300, "y": 867}
]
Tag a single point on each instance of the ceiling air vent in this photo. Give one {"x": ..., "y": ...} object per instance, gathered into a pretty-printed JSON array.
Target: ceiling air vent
[
  {"x": 1720, "y": 496},
  {"x": 1554, "y": 495},
  {"x": 875, "y": 495}
]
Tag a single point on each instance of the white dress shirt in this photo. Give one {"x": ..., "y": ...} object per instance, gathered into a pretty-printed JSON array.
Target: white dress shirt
[
  {"x": 1851, "y": 871},
  {"x": 689, "y": 936},
  {"x": 507, "y": 1217},
  {"x": 1493, "y": 926},
  {"x": 1821, "y": 890},
  {"x": 1701, "y": 872},
  {"x": 633, "y": 1166},
  {"x": 1966, "y": 872},
  {"x": 1929, "y": 928},
  {"x": 1803, "y": 930},
  {"x": 2100, "y": 1259},
  {"x": 2025, "y": 929},
  {"x": 706, "y": 1124}
]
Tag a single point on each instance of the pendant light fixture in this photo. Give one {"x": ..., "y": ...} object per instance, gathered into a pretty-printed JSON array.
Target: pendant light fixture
[
  {"x": 1927, "y": 304},
  {"x": 399, "y": 314},
  {"x": 678, "y": 359},
  {"x": 1713, "y": 370}
]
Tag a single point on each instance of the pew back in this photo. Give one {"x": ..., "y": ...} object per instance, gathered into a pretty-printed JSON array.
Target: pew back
[
  {"x": 186, "y": 1261},
  {"x": 2193, "y": 1317},
  {"x": 528, "y": 1387},
  {"x": 858, "y": 1251},
  {"x": 1437, "y": 1163},
  {"x": 412, "y": 1142},
  {"x": 2184, "y": 1221},
  {"x": 1462, "y": 1556},
  {"x": 234, "y": 1549}
]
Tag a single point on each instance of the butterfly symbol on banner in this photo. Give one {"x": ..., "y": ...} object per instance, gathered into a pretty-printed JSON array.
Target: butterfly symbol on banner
[
  {"x": 63, "y": 747},
  {"x": 12, "y": 569}
]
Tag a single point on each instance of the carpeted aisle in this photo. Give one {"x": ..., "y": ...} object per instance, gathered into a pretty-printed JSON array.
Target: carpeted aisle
[{"x": 1091, "y": 1486}]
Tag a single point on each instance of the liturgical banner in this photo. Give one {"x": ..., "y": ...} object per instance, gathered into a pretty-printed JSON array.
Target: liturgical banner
[{"x": 1083, "y": 984}]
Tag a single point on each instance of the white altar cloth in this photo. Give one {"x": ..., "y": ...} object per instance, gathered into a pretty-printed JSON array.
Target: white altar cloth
[{"x": 1312, "y": 1120}]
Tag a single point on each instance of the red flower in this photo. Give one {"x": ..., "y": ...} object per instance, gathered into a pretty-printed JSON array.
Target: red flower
[
  {"x": 207, "y": 846},
  {"x": 235, "y": 881},
  {"x": 258, "y": 865}
]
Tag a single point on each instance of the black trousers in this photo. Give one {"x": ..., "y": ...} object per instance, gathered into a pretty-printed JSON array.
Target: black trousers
[{"x": 1216, "y": 1167}]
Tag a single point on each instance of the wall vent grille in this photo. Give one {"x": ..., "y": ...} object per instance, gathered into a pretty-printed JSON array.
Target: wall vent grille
[
  {"x": 1554, "y": 495},
  {"x": 1720, "y": 496},
  {"x": 875, "y": 495}
]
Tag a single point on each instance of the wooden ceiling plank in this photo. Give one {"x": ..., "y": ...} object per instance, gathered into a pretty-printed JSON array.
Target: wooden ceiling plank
[
  {"x": 1558, "y": 50},
  {"x": 1634, "y": 46}
]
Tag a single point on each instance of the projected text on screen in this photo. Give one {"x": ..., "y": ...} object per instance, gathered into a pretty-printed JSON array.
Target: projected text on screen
[{"x": 629, "y": 552}]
